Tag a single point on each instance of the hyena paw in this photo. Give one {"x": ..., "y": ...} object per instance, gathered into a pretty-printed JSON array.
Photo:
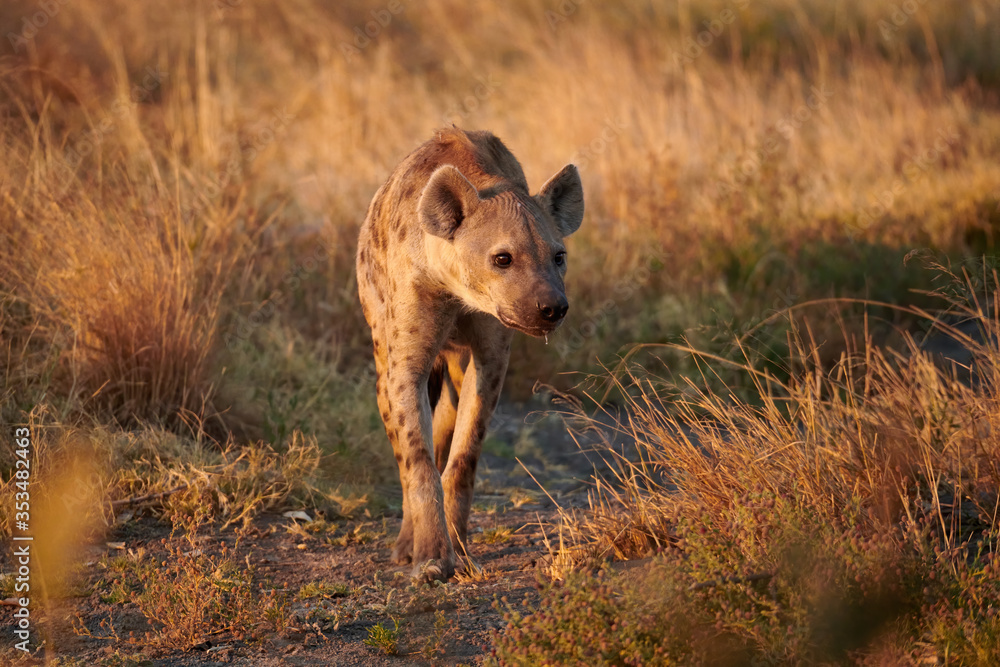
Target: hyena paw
[
  {"x": 402, "y": 551},
  {"x": 437, "y": 569},
  {"x": 433, "y": 557}
]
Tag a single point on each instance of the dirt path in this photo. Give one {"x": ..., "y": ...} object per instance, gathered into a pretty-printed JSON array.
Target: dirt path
[{"x": 346, "y": 564}]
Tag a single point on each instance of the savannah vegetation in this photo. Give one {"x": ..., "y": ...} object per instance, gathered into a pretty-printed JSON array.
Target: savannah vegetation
[{"x": 785, "y": 198}]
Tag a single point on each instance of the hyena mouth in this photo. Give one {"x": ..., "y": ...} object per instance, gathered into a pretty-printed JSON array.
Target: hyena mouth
[{"x": 530, "y": 329}]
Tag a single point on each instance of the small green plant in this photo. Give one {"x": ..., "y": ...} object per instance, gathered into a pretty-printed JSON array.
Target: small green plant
[
  {"x": 485, "y": 508},
  {"x": 383, "y": 639},
  {"x": 322, "y": 589},
  {"x": 495, "y": 535}
]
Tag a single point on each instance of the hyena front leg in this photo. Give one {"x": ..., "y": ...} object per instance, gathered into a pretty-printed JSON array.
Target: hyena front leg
[
  {"x": 402, "y": 550},
  {"x": 477, "y": 401},
  {"x": 424, "y": 536},
  {"x": 406, "y": 411}
]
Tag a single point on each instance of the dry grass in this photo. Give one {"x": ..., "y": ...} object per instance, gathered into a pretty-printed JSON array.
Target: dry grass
[
  {"x": 192, "y": 596},
  {"x": 182, "y": 186},
  {"x": 849, "y": 513},
  {"x": 881, "y": 432},
  {"x": 170, "y": 196},
  {"x": 94, "y": 475}
]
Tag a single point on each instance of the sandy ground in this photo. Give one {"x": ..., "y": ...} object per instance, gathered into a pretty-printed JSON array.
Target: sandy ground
[{"x": 444, "y": 625}]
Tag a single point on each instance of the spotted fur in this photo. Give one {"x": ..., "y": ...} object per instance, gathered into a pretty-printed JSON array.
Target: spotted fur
[{"x": 442, "y": 310}]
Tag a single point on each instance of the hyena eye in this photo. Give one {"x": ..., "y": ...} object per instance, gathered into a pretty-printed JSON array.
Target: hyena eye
[
  {"x": 560, "y": 258},
  {"x": 503, "y": 260}
]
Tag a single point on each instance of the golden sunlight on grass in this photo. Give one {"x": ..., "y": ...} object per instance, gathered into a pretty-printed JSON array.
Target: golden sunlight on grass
[
  {"x": 847, "y": 514},
  {"x": 785, "y": 199},
  {"x": 167, "y": 198}
]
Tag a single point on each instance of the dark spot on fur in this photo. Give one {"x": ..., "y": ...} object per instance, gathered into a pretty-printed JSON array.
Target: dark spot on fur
[
  {"x": 413, "y": 330},
  {"x": 402, "y": 421},
  {"x": 395, "y": 332},
  {"x": 465, "y": 467},
  {"x": 418, "y": 455},
  {"x": 412, "y": 434},
  {"x": 401, "y": 234}
]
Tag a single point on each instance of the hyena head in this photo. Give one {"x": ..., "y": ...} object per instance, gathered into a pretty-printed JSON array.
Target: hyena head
[{"x": 501, "y": 251}]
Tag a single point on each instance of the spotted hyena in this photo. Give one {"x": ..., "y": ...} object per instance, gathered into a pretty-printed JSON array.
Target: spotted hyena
[{"x": 453, "y": 256}]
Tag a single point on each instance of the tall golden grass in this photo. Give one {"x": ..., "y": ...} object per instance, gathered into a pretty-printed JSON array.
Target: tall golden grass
[
  {"x": 168, "y": 168},
  {"x": 848, "y": 515},
  {"x": 885, "y": 437}
]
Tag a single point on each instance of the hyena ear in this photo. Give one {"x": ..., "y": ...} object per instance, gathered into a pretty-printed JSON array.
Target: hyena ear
[
  {"x": 447, "y": 200},
  {"x": 562, "y": 197}
]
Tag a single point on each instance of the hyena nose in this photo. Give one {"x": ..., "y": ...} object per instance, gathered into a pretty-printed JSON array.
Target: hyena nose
[{"x": 553, "y": 312}]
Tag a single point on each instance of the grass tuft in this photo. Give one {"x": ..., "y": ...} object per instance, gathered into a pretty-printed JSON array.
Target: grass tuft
[{"x": 384, "y": 639}]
